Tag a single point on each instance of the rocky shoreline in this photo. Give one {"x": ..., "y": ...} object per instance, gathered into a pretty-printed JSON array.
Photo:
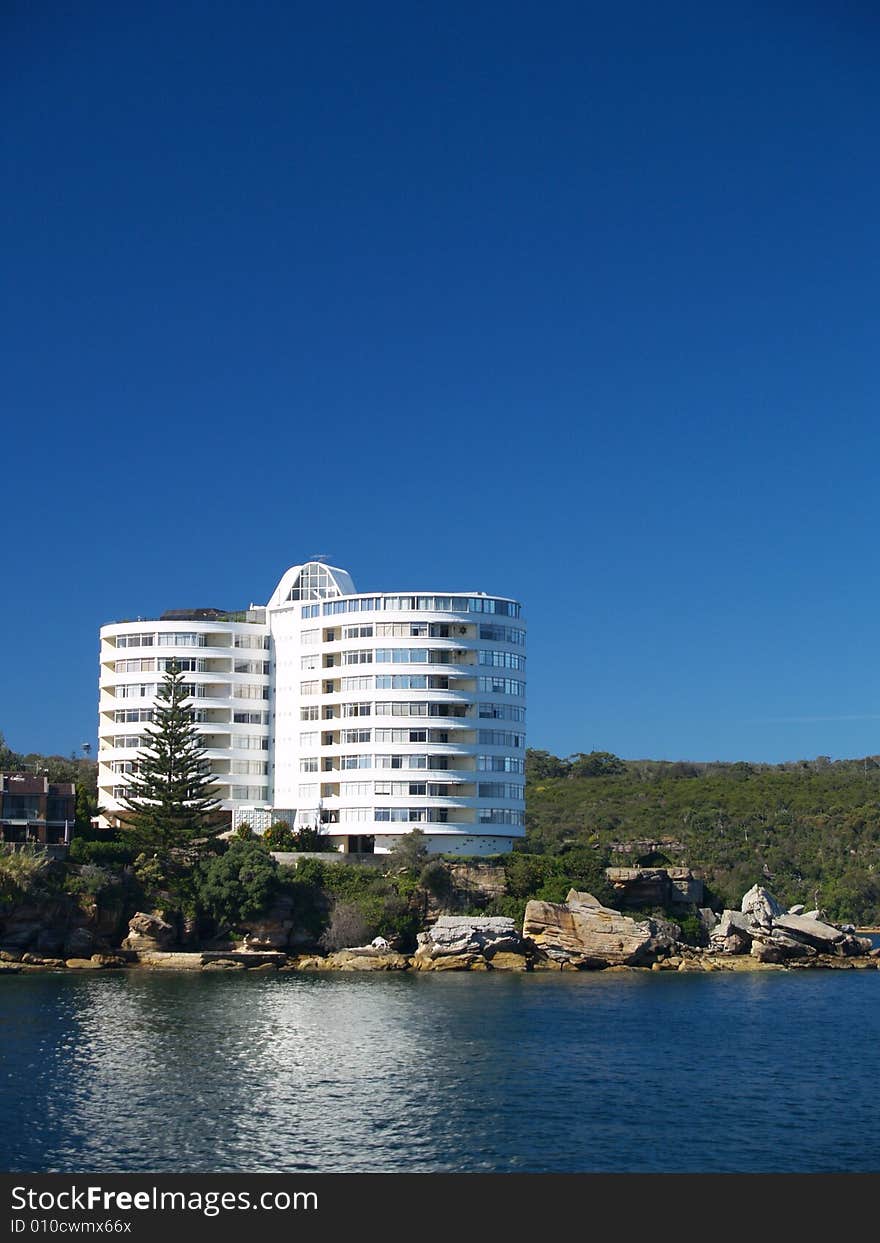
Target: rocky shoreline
[{"x": 577, "y": 935}]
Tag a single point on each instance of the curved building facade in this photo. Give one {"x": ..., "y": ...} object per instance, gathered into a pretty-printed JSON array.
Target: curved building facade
[{"x": 367, "y": 715}]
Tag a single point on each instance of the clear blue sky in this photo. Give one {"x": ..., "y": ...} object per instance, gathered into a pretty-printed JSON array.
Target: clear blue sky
[{"x": 570, "y": 302}]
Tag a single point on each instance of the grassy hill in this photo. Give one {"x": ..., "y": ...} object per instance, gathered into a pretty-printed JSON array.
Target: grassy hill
[{"x": 808, "y": 830}]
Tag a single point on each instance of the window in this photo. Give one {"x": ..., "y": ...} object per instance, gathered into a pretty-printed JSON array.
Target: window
[
  {"x": 356, "y": 789},
  {"x": 249, "y": 640},
  {"x": 401, "y": 682},
  {"x": 355, "y": 761},
  {"x": 355, "y": 815},
  {"x": 308, "y": 791},
  {"x": 251, "y": 718},
  {"x": 357, "y": 632},
  {"x": 359, "y": 709},
  {"x": 499, "y": 738},
  {"x": 500, "y": 789},
  {"x": 358, "y": 657},
  {"x": 309, "y": 764},
  {"x": 136, "y": 666},
  {"x": 503, "y": 634},
  {"x": 309, "y": 713},
  {"x": 310, "y": 636},
  {"x": 137, "y": 690},
  {"x": 309, "y": 688},
  {"x": 180, "y": 639},
  {"x": 309, "y": 738},
  {"x": 402, "y": 655},
  {"x": 500, "y": 764},
  {"x": 501, "y": 686},
  {"x": 356, "y": 684},
  {"x": 356, "y": 735},
  {"x": 500, "y": 815},
  {"x": 135, "y": 640},
  {"x": 254, "y": 768},
  {"x": 250, "y": 666},
  {"x": 250, "y": 692},
  {"x": 502, "y": 660},
  {"x": 401, "y": 735},
  {"x": 251, "y": 742},
  {"x": 311, "y": 661},
  {"x": 501, "y": 712},
  {"x": 255, "y": 793}
]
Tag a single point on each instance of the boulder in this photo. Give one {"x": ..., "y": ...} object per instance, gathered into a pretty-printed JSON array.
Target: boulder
[
  {"x": 761, "y": 906},
  {"x": 797, "y": 909},
  {"x": 82, "y": 964},
  {"x": 148, "y": 932},
  {"x": 733, "y": 933},
  {"x": 505, "y": 961},
  {"x": 349, "y": 960},
  {"x": 272, "y": 931},
  {"x": 447, "y": 962},
  {"x": 466, "y": 934},
  {"x": 823, "y": 937},
  {"x": 593, "y": 936},
  {"x": 39, "y": 960}
]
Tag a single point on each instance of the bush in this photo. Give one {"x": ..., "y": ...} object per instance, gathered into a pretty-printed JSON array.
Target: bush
[
  {"x": 278, "y": 836},
  {"x": 102, "y": 853},
  {"x": 22, "y": 872},
  {"x": 91, "y": 881},
  {"x": 239, "y": 884},
  {"x": 348, "y": 926}
]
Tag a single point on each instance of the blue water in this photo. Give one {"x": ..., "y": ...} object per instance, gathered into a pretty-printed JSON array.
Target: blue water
[{"x": 383, "y": 1073}]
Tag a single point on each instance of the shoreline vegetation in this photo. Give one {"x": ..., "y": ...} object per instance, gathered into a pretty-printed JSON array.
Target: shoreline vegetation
[{"x": 625, "y": 850}]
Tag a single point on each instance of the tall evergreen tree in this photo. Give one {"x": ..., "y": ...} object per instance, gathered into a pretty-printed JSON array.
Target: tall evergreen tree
[{"x": 173, "y": 810}]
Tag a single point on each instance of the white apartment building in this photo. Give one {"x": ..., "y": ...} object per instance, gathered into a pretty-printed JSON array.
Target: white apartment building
[{"x": 365, "y": 715}]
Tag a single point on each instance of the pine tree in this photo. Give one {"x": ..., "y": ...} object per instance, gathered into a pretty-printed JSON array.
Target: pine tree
[{"x": 172, "y": 813}]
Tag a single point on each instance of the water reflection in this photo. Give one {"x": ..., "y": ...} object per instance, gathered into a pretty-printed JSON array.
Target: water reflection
[{"x": 382, "y": 1073}]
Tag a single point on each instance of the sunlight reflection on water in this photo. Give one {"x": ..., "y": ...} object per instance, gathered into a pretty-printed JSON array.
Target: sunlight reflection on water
[{"x": 138, "y": 1071}]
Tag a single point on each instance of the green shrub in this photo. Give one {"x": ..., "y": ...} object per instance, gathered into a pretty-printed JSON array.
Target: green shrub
[
  {"x": 22, "y": 872},
  {"x": 102, "y": 853},
  {"x": 239, "y": 884}
]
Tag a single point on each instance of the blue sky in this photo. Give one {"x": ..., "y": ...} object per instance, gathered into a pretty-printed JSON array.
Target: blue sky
[{"x": 575, "y": 303}]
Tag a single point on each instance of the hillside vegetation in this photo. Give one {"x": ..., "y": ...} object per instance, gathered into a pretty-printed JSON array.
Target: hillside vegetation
[{"x": 808, "y": 830}]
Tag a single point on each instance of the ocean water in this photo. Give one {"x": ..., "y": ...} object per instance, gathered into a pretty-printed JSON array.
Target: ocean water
[{"x": 139, "y": 1072}]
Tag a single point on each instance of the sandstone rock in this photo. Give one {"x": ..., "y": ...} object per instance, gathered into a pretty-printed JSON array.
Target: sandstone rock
[
  {"x": 809, "y": 914},
  {"x": 733, "y": 933},
  {"x": 446, "y": 962},
  {"x": 40, "y": 960},
  {"x": 82, "y": 964},
  {"x": 167, "y": 960},
  {"x": 466, "y": 934},
  {"x": 14, "y": 955},
  {"x": 346, "y": 960},
  {"x": 223, "y": 964},
  {"x": 263, "y": 967},
  {"x": 109, "y": 960},
  {"x": 797, "y": 909},
  {"x": 506, "y": 961},
  {"x": 761, "y": 905},
  {"x": 9, "y": 968},
  {"x": 148, "y": 932},
  {"x": 589, "y": 936},
  {"x": 767, "y": 951}
]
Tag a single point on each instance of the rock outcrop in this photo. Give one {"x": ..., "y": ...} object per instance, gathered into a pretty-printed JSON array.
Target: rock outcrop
[
  {"x": 582, "y": 933},
  {"x": 148, "y": 933},
  {"x": 771, "y": 935},
  {"x": 471, "y": 943}
]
